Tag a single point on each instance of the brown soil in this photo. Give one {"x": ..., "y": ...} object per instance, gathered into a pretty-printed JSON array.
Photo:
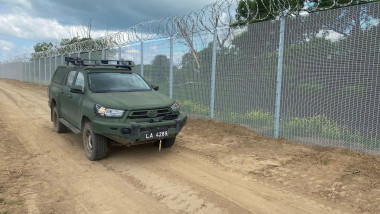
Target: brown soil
[{"x": 213, "y": 168}]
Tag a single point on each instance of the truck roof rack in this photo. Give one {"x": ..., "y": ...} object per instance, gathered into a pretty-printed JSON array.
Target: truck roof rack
[{"x": 103, "y": 62}]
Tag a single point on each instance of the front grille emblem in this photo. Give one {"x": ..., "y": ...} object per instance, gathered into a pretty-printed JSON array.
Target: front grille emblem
[{"x": 152, "y": 113}]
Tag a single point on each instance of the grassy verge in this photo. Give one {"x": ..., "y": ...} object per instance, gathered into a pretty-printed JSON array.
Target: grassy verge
[{"x": 318, "y": 126}]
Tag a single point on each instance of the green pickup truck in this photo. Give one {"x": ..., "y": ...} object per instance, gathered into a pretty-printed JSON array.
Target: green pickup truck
[{"x": 104, "y": 101}]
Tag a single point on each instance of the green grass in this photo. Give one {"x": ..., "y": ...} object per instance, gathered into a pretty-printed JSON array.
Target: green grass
[
  {"x": 20, "y": 202},
  {"x": 5, "y": 212},
  {"x": 315, "y": 126},
  {"x": 193, "y": 107},
  {"x": 309, "y": 126},
  {"x": 321, "y": 126}
]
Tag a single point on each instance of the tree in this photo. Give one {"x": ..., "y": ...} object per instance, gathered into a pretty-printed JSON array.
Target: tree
[
  {"x": 67, "y": 41},
  {"x": 251, "y": 11},
  {"x": 349, "y": 21},
  {"x": 44, "y": 46},
  {"x": 160, "y": 69}
]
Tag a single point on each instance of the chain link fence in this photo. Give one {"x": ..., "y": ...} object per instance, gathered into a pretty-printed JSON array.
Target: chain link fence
[{"x": 312, "y": 78}]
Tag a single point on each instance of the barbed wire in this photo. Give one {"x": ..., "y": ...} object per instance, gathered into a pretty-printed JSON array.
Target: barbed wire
[{"x": 221, "y": 14}]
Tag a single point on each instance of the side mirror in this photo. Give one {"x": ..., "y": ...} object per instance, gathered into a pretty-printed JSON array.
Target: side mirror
[
  {"x": 76, "y": 89},
  {"x": 155, "y": 87}
]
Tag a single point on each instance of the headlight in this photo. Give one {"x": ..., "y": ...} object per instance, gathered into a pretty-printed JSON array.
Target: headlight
[
  {"x": 175, "y": 107},
  {"x": 108, "y": 112}
]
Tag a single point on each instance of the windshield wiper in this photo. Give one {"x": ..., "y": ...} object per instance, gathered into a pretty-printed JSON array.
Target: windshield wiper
[
  {"x": 101, "y": 91},
  {"x": 133, "y": 90},
  {"x": 105, "y": 91}
]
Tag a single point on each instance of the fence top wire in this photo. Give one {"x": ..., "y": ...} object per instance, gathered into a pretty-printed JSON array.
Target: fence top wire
[{"x": 221, "y": 14}]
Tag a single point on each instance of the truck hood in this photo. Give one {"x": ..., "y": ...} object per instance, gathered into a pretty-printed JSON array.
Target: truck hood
[{"x": 132, "y": 100}]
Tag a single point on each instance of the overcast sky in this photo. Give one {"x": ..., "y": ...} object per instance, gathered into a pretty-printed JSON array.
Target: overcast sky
[{"x": 23, "y": 23}]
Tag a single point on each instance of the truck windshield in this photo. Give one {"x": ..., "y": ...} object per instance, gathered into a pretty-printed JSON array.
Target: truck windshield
[{"x": 116, "y": 82}]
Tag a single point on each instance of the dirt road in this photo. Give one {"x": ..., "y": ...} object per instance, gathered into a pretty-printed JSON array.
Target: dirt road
[{"x": 212, "y": 168}]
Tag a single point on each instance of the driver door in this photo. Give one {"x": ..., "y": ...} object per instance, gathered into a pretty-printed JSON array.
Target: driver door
[
  {"x": 75, "y": 104},
  {"x": 66, "y": 96}
]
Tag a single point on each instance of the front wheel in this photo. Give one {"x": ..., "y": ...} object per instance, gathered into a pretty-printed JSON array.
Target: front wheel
[
  {"x": 166, "y": 143},
  {"x": 95, "y": 145}
]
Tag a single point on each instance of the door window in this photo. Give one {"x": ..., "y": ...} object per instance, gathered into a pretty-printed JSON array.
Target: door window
[
  {"x": 80, "y": 80},
  {"x": 70, "y": 78}
]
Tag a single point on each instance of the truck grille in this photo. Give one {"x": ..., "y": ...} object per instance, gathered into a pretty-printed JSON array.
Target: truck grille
[{"x": 151, "y": 113}]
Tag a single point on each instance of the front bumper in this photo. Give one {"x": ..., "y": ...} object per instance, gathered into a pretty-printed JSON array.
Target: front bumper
[{"x": 133, "y": 132}]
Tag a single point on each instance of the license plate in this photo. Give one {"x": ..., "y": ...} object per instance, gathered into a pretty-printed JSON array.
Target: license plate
[{"x": 156, "y": 134}]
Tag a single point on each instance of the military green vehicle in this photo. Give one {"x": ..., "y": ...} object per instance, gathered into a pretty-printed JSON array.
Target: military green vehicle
[{"x": 105, "y": 102}]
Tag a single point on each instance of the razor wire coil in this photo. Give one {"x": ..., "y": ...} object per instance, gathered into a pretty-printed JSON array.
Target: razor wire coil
[{"x": 221, "y": 14}]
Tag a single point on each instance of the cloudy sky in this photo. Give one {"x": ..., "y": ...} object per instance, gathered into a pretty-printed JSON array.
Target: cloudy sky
[{"x": 23, "y": 23}]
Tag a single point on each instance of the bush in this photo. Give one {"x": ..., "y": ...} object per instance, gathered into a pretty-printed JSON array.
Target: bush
[{"x": 193, "y": 107}]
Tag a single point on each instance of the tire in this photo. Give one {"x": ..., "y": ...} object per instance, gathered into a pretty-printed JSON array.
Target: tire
[
  {"x": 166, "y": 143},
  {"x": 58, "y": 126},
  {"x": 95, "y": 145}
]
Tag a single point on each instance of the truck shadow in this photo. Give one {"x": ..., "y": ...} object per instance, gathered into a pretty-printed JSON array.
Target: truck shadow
[{"x": 143, "y": 150}]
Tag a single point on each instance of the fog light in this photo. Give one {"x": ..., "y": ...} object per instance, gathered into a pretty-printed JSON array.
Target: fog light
[{"x": 125, "y": 131}]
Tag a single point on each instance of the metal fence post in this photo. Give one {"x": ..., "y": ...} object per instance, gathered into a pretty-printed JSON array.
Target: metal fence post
[
  {"x": 62, "y": 59},
  {"x": 45, "y": 72},
  {"x": 39, "y": 70},
  {"x": 30, "y": 71},
  {"x": 119, "y": 53},
  {"x": 142, "y": 59},
  {"x": 171, "y": 69},
  {"x": 55, "y": 62},
  {"x": 89, "y": 55},
  {"x": 78, "y": 54},
  {"x": 15, "y": 70},
  {"x": 213, "y": 67},
  {"x": 50, "y": 68},
  {"x": 18, "y": 71},
  {"x": 279, "y": 77},
  {"x": 21, "y": 69},
  {"x": 103, "y": 54},
  {"x": 34, "y": 70},
  {"x": 24, "y": 76}
]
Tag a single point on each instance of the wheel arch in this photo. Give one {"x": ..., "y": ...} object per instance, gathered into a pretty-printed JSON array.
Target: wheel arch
[{"x": 84, "y": 120}]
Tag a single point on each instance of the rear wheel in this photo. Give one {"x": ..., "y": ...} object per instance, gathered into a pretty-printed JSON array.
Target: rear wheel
[
  {"x": 166, "y": 143},
  {"x": 95, "y": 145},
  {"x": 58, "y": 126}
]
